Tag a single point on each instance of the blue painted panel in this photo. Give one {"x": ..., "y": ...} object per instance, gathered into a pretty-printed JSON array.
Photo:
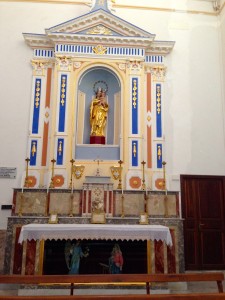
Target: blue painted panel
[
  {"x": 158, "y": 111},
  {"x": 60, "y": 151},
  {"x": 134, "y": 153},
  {"x": 135, "y": 105},
  {"x": 37, "y": 103},
  {"x": 62, "y": 103},
  {"x": 159, "y": 156},
  {"x": 33, "y": 152}
]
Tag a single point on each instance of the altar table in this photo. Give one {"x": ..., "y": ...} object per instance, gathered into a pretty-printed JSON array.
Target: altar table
[{"x": 95, "y": 232}]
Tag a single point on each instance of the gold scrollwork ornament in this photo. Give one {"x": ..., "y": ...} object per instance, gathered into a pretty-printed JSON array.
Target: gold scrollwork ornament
[
  {"x": 78, "y": 171},
  {"x": 99, "y": 49},
  {"x": 116, "y": 172}
]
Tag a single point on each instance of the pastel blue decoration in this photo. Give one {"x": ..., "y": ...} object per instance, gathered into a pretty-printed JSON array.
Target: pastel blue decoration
[
  {"x": 85, "y": 49},
  {"x": 134, "y": 105},
  {"x": 60, "y": 151},
  {"x": 158, "y": 111},
  {"x": 159, "y": 156},
  {"x": 37, "y": 103},
  {"x": 62, "y": 103},
  {"x": 33, "y": 152},
  {"x": 134, "y": 153}
]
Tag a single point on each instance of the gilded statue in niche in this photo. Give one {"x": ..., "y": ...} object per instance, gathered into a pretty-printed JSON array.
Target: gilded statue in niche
[{"x": 98, "y": 113}]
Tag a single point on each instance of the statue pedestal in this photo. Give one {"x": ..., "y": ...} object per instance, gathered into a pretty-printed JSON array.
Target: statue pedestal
[{"x": 97, "y": 140}]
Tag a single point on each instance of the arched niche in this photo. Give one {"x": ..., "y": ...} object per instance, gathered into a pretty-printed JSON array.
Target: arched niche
[{"x": 88, "y": 83}]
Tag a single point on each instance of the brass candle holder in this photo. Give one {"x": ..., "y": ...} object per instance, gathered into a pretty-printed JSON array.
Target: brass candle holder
[
  {"x": 26, "y": 182},
  {"x": 143, "y": 175},
  {"x": 120, "y": 162},
  {"x": 72, "y": 161},
  {"x": 164, "y": 176},
  {"x": 71, "y": 205},
  {"x": 20, "y": 213},
  {"x": 52, "y": 185},
  {"x": 144, "y": 216}
]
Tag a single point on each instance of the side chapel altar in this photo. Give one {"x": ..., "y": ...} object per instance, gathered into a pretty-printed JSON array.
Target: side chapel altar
[{"x": 96, "y": 149}]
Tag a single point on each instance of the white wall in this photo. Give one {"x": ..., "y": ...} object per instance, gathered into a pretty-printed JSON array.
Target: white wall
[{"x": 194, "y": 104}]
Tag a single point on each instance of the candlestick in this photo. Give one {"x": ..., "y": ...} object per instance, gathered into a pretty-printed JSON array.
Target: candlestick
[
  {"x": 26, "y": 183},
  {"x": 21, "y": 206},
  {"x": 52, "y": 178},
  {"x": 143, "y": 175},
  {"x": 164, "y": 176},
  {"x": 71, "y": 206},
  {"x": 72, "y": 187},
  {"x": 119, "y": 187},
  {"x": 72, "y": 161}
]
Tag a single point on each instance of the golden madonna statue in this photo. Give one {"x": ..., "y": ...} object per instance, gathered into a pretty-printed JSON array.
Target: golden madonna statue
[{"x": 98, "y": 115}]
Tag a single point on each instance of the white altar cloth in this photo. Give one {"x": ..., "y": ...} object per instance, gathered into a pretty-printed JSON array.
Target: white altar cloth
[{"x": 95, "y": 232}]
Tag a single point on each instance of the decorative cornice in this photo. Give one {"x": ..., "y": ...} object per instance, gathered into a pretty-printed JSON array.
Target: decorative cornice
[
  {"x": 38, "y": 40},
  {"x": 99, "y": 39},
  {"x": 160, "y": 47}
]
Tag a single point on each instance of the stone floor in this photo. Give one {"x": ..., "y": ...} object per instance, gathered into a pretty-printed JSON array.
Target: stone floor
[{"x": 173, "y": 288}]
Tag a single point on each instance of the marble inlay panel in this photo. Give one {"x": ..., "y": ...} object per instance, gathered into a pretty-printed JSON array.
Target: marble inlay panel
[
  {"x": 171, "y": 254},
  {"x": 18, "y": 253},
  {"x": 31, "y": 203},
  {"x": 133, "y": 204},
  {"x": 159, "y": 257},
  {"x": 62, "y": 203},
  {"x": 157, "y": 205},
  {"x": 30, "y": 257}
]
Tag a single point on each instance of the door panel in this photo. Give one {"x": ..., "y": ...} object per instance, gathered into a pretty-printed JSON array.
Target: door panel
[{"x": 203, "y": 202}]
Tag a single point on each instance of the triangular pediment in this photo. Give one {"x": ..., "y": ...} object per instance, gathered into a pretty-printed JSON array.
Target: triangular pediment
[
  {"x": 103, "y": 20},
  {"x": 99, "y": 27}
]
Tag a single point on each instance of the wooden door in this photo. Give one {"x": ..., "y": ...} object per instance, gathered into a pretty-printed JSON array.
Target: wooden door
[{"x": 203, "y": 210}]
